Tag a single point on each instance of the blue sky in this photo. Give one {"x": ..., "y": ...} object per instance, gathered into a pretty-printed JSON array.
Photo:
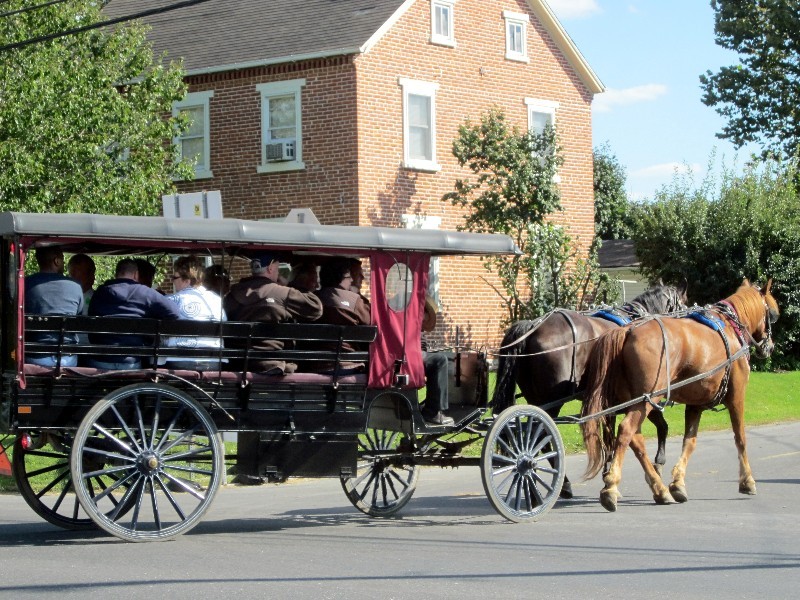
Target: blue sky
[{"x": 649, "y": 54}]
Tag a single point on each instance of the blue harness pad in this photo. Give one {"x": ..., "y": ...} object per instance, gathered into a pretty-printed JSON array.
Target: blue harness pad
[
  {"x": 610, "y": 316},
  {"x": 706, "y": 319}
]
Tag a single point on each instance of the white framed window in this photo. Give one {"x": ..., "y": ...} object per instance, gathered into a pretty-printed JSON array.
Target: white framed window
[
  {"x": 541, "y": 113},
  {"x": 516, "y": 36},
  {"x": 425, "y": 222},
  {"x": 281, "y": 126},
  {"x": 195, "y": 143},
  {"x": 442, "y": 22},
  {"x": 419, "y": 124}
]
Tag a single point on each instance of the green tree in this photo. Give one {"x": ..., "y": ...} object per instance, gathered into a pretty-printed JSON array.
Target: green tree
[
  {"x": 514, "y": 191},
  {"x": 758, "y": 97},
  {"x": 82, "y": 118},
  {"x": 750, "y": 229},
  {"x": 610, "y": 200}
]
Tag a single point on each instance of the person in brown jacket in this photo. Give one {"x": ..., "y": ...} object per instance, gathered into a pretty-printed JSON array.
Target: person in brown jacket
[
  {"x": 341, "y": 305},
  {"x": 260, "y": 298}
]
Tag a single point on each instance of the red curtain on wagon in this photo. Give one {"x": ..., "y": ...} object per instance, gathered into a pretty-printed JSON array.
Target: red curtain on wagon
[{"x": 397, "y": 285}]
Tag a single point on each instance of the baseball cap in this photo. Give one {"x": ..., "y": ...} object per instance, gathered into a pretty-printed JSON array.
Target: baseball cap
[{"x": 261, "y": 262}]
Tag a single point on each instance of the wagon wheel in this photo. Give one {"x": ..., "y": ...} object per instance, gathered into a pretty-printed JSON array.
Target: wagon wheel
[
  {"x": 41, "y": 472},
  {"x": 382, "y": 484},
  {"x": 160, "y": 450},
  {"x": 522, "y": 463}
]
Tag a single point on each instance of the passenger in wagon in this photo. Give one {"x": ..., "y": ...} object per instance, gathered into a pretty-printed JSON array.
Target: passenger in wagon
[
  {"x": 124, "y": 296},
  {"x": 82, "y": 269},
  {"x": 305, "y": 276},
  {"x": 50, "y": 292},
  {"x": 197, "y": 303},
  {"x": 217, "y": 280},
  {"x": 437, "y": 389},
  {"x": 261, "y": 298},
  {"x": 341, "y": 305}
]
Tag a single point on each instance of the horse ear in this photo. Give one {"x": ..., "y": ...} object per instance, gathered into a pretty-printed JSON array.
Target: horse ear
[
  {"x": 660, "y": 282},
  {"x": 769, "y": 286},
  {"x": 683, "y": 286},
  {"x": 745, "y": 281}
]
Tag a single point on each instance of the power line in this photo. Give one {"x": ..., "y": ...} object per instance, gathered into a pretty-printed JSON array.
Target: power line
[
  {"x": 139, "y": 15},
  {"x": 30, "y": 8}
]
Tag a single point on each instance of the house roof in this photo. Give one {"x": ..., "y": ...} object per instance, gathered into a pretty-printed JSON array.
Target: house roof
[
  {"x": 223, "y": 35},
  {"x": 617, "y": 253}
]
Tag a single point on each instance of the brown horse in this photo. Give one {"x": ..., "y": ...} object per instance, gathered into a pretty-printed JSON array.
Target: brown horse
[
  {"x": 547, "y": 357},
  {"x": 689, "y": 362}
]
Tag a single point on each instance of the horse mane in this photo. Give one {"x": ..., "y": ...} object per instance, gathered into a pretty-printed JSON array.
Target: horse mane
[
  {"x": 748, "y": 303},
  {"x": 659, "y": 299}
]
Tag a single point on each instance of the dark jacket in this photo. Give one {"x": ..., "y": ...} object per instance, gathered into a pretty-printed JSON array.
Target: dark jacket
[
  {"x": 129, "y": 298},
  {"x": 344, "y": 307},
  {"x": 258, "y": 298}
]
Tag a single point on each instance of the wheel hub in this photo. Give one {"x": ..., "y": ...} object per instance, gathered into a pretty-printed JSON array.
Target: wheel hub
[
  {"x": 148, "y": 463},
  {"x": 524, "y": 464}
]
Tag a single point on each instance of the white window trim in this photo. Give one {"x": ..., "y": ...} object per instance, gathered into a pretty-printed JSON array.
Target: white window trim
[
  {"x": 517, "y": 19},
  {"x": 435, "y": 37},
  {"x": 542, "y": 106},
  {"x": 419, "y": 88},
  {"x": 427, "y": 222},
  {"x": 192, "y": 100},
  {"x": 281, "y": 88}
]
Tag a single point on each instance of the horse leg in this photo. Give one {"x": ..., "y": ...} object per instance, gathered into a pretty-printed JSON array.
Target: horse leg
[
  {"x": 662, "y": 430},
  {"x": 692, "y": 423},
  {"x": 651, "y": 475},
  {"x": 735, "y": 404},
  {"x": 611, "y": 478}
]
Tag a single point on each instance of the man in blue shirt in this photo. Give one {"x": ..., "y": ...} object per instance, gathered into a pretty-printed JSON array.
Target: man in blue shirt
[
  {"x": 124, "y": 296},
  {"x": 50, "y": 292}
]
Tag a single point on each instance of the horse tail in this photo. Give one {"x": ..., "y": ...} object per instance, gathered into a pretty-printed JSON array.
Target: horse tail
[
  {"x": 601, "y": 377},
  {"x": 506, "y": 382}
]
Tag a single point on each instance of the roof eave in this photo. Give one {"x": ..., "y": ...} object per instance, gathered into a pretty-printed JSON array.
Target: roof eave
[
  {"x": 273, "y": 61},
  {"x": 549, "y": 20}
]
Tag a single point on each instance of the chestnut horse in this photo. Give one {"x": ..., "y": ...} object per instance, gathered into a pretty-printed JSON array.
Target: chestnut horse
[
  {"x": 547, "y": 357},
  {"x": 704, "y": 367}
]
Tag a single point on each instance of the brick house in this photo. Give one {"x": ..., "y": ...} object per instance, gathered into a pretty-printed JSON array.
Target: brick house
[{"x": 350, "y": 108}]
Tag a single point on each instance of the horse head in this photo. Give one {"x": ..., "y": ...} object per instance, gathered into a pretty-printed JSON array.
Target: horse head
[{"x": 758, "y": 310}]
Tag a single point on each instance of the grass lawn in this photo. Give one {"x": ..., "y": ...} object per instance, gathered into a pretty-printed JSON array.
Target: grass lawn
[{"x": 771, "y": 398}]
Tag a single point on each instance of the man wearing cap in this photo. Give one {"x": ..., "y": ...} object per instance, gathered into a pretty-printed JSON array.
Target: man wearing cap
[{"x": 261, "y": 298}]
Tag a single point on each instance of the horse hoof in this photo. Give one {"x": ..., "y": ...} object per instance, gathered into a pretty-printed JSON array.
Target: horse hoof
[
  {"x": 749, "y": 488},
  {"x": 566, "y": 490},
  {"x": 609, "y": 501},
  {"x": 663, "y": 498},
  {"x": 679, "y": 493}
]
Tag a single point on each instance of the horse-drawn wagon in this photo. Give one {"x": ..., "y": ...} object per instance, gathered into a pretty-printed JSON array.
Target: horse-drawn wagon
[{"x": 139, "y": 453}]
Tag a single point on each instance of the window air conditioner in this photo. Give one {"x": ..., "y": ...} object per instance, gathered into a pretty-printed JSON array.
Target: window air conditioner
[{"x": 279, "y": 151}]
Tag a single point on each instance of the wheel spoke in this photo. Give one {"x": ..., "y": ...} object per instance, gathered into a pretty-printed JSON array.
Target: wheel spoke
[{"x": 124, "y": 426}]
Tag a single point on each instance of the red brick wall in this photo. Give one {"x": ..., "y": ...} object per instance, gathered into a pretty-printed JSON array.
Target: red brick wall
[
  {"x": 472, "y": 77},
  {"x": 353, "y": 145},
  {"x": 328, "y": 184}
]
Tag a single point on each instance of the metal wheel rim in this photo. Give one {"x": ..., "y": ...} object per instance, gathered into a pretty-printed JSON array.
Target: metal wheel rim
[
  {"x": 522, "y": 463},
  {"x": 51, "y": 495},
  {"x": 380, "y": 488},
  {"x": 163, "y": 455}
]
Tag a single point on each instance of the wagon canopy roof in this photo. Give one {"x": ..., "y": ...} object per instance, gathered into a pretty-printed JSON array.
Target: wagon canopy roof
[{"x": 102, "y": 232}]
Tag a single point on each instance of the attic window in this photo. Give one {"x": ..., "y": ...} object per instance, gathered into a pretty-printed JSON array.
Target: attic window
[
  {"x": 442, "y": 22},
  {"x": 516, "y": 36}
]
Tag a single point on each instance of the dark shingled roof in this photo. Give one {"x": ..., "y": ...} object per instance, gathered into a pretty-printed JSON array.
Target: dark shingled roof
[
  {"x": 617, "y": 253},
  {"x": 222, "y": 34}
]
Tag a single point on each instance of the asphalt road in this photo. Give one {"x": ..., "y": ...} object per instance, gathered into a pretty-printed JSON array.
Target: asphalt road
[{"x": 304, "y": 540}]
